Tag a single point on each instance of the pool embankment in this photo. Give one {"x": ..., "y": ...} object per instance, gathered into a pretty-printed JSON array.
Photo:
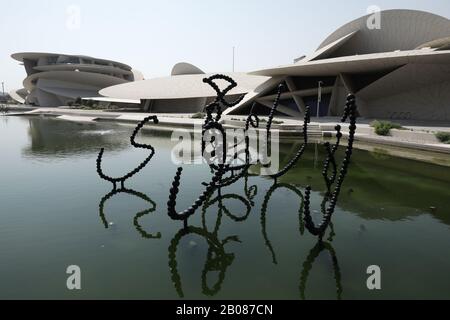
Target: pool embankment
[{"x": 413, "y": 136}]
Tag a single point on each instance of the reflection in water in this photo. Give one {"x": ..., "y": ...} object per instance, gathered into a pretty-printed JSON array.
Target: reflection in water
[
  {"x": 250, "y": 192},
  {"x": 308, "y": 264},
  {"x": 382, "y": 190},
  {"x": 139, "y": 215},
  {"x": 218, "y": 260},
  {"x": 383, "y": 204},
  {"x": 61, "y": 139},
  {"x": 219, "y": 199},
  {"x": 264, "y": 213}
]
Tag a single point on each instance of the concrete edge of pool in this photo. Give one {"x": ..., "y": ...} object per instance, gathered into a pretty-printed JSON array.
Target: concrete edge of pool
[{"x": 416, "y": 137}]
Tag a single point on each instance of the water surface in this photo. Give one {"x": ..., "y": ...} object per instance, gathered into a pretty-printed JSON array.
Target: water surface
[{"x": 392, "y": 212}]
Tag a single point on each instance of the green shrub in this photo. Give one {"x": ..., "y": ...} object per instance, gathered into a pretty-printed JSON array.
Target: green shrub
[
  {"x": 443, "y": 137},
  {"x": 198, "y": 115},
  {"x": 383, "y": 128},
  {"x": 380, "y": 154}
]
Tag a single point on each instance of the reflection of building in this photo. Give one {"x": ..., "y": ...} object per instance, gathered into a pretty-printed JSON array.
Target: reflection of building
[
  {"x": 379, "y": 186},
  {"x": 400, "y": 71},
  {"x": 53, "y": 138},
  {"x": 57, "y": 79},
  {"x": 60, "y": 139}
]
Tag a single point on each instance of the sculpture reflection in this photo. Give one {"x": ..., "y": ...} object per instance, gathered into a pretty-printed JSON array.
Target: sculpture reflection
[
  {"x": 308, "y": 264},
  {"x": 217, "y": 258},
  {"x": 138, "y": 215},
  {"x": 265, "y": 204}
]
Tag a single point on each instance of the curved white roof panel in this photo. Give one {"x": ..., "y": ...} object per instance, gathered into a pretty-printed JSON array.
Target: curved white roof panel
[
  {"x": 358, "y": 63},
  {"x": 357, "y": 48},
  {"x": 83, "y": 67},
  {"x": 180, "y": 87},
  {"x": 399, "y": 30},
  {"x": 85, "y": 78},
  {"x": 138, "y": 75},
  {"x": 183, "y": 68},
  {"x": 324, "y": 52},
  {"x": 19, "y": 95},
  {"x": 36, "y": 55}
]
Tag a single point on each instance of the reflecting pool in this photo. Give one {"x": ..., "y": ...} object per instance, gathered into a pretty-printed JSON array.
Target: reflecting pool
[{"x": 248, "y": 243}]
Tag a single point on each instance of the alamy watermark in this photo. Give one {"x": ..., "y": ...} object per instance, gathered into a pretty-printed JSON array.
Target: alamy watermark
[
  {"x": 374, "y": 19},
  {"x": 374, "y": 280},
  {"x": 74, "y": 280},
  {"x": 235, "y": 147}
]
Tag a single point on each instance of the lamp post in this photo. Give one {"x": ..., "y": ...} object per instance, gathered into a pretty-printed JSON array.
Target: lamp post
[
  {"x": 319, "y": 98},
  {"x": 3, "y": 88},
  {"x": 233, "y": 57}
]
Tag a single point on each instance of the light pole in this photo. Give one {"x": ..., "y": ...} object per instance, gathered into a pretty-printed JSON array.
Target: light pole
[
  {"x": 233, "y": 58},
  {"x": 319, "y": 98},
  {"x": 3, "y": 88}
]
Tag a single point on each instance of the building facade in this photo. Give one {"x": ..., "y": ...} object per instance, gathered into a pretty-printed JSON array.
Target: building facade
[
  {"x": 57, "y": 79},
  {"x": 182, "y": 92},
  {"x": 398, "y": 67},
  {"x": 396, "y": 62}
]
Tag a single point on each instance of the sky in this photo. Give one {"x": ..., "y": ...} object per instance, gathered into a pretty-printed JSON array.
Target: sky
[{"x": 152, "y": 36}]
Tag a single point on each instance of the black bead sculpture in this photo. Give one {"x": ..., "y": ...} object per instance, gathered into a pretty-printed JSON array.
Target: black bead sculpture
[
  {"x": 331, "y": 151},
  {"x": 301, "y": 151},
  {"x": 122, "y": 180},
  {"x": 253, "y": 121},
  {"x": 224, "y": 174},
  {"x": 219, "y": 199},
  {"x": 250, "y": 192},
  {"x": 220, "y": 97},
  {"x": 184, "y": 215},
  {"x": 213, "y": 123},
  {"x": 349, "y": 112},
  {"x": 237, "y": 172}
]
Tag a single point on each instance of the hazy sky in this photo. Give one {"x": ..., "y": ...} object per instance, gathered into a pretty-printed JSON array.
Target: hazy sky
[{"x": 152, "y": 36}]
